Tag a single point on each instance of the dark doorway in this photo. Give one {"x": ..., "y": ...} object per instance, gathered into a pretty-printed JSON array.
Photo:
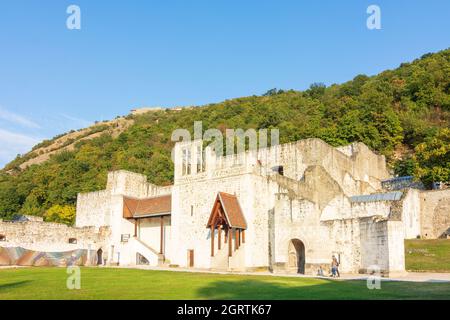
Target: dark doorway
[
  {"x": 190, "y": 258},
  {"x": 99, "y": 257},
  {"x": 296, "y": 258}
]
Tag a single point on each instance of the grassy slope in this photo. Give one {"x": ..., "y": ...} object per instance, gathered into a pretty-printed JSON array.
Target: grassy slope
[
  {"x": 428, "y": 255},
  {"x": 98, "y": 283}
]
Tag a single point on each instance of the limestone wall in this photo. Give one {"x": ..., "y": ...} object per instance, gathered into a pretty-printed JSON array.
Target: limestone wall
[
  {"x": 51, "y": 237},
  {"x": 374, "y": 244},
  {"x": 435, "y": 213},
  {"x": 191, "y": 207},
  {"x": 127, "y": 183},
  {"x": 133, "y": 184},
  {"x": 411, "y": 214},
  {"x": 93, "y": 209},
  {"x": 358, "y": 171}
]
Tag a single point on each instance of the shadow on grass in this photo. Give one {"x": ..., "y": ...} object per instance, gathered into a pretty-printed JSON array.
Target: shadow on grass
[
  {"x": 323, "y": 290},
  {"x": 13, "y": 285}
]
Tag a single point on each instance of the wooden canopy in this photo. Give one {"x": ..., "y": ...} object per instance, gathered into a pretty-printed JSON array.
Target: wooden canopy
[
  {"x": 227, "y": 215},
  {"x": 227, "y": 211}
]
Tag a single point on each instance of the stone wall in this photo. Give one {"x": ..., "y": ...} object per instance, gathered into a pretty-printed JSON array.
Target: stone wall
[
  {"x": 191, "y": 207},
  {"x": 435, "y": 213},
  {"x": 51, "y": 237},
  {"x": 310, "y": 204},
  {"x": 411, "y": 214},
  {"x": 357, "y": 172},
  {"x": 93, "y": 209}
]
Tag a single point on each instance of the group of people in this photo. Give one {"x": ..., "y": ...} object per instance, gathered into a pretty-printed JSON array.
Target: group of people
[{"x": 334, "y": 268}]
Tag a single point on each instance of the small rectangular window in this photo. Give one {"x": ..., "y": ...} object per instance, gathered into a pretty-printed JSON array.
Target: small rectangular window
[
  {"x": 72, "y": 241},
  {"x": 199, "y": 159},
  {"x": 188, "y": 161},
  {"x": 184, "y": 164},
  {"x": 2, "y": 237},
  {"x": 192, "y": 211}
]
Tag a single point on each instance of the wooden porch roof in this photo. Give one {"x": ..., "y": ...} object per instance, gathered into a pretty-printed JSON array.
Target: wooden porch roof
[
  {"x": 232, "y": 210},
  {"x": 134, "y": 208}
]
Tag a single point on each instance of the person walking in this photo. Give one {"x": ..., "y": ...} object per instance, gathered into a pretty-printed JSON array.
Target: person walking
[{"x": 334, "y": 267}]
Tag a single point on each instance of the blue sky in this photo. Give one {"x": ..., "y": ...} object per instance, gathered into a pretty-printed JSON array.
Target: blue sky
[{"x": 168, "y": 53}]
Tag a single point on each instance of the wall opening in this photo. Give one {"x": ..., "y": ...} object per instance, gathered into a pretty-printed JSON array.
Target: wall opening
[
  {"x": 296, "y": 256},
  {"x": 99, "y": 257},
  {"x": 141, "y": 260},
  {"x": 2, "y": 237},
  {"x": 72, "y": 240},
  {"x": 279, "y": 170},
  {"x": 186, "y": 162}
]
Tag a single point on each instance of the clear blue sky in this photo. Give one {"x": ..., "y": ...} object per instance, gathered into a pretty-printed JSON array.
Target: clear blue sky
[{"x": 168, "y": 53}]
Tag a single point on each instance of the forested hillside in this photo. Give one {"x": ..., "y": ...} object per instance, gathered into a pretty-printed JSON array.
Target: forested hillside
[{"x": 402, "y": 113}]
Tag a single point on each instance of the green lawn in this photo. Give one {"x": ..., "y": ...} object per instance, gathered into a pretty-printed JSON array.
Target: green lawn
[
  {"x": 427, "y": 255},
  {"x": 104, "y": 283}
]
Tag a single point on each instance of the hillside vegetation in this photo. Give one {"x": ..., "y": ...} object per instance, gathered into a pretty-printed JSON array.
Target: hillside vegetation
[{"x": 402, "y": 113}]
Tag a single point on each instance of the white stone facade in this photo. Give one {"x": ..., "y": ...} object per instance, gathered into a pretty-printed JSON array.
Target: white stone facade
[{"x": 295, "y": 221}]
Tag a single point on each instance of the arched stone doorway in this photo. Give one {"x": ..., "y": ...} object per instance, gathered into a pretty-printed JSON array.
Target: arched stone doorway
[
  {"x": 296, "y": 256},
  {"x": 99, "y": 257}
]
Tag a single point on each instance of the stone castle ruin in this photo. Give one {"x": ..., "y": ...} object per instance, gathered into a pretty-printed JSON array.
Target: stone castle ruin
[{"x": 287, "y": 208}]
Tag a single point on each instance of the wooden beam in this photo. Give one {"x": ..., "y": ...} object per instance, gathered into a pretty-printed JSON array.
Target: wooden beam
[
  {"x": 219, "y": 237},
  {"x": 161, "y": 242},
  {"x": 239, "y": 237},
  {"x": 236, "y": 240},
  {"x": 226, "y": 234},
  {"x": 135, "y": 227},
  {"x": 212, "y": 240},
  {"x": 243, "y": 236},
  {"x": 230, "y": 240}
]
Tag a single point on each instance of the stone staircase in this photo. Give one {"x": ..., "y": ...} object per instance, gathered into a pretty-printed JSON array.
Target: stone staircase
[{"x": 152, "y": 255}]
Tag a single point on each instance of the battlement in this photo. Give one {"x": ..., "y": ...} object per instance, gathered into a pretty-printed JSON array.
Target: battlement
[{"x": 348, "y": 164}]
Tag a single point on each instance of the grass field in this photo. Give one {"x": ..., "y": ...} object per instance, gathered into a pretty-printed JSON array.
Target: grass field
[
  {"x": 105, "y": 283},
  {"x": 427, "y": 255}
]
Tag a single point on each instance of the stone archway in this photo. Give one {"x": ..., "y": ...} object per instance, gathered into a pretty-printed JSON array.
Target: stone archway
[
  {"x": 99, "y": 257},
  {"x": 296, "y": 256}
]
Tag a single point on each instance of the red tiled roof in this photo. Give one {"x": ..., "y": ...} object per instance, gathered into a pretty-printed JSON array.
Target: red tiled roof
[
  {"x": 233, "y": 212},
  {"x": 140, "y": 208}
]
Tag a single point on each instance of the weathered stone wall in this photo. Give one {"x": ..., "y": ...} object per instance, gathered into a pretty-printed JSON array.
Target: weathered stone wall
[
  {"x": 309, "y": 203},
  {"x": 191, "y": 207},
  {"x": 435, "y": 213},
  {"x": 51, "y": 237},
  {"x": 93, "y": 209},
  {"x": 357, "y": 172},
  {"x": 411, "y": 214}
]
